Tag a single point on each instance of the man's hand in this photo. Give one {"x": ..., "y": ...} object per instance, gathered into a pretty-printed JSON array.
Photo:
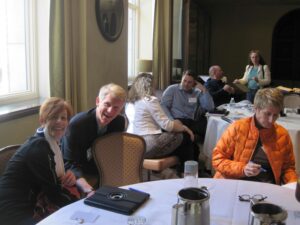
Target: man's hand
[
  {"x": 201, "y": 87},
  {"x": 85, "y": 187},
  {"x": 228, "y": 89}
]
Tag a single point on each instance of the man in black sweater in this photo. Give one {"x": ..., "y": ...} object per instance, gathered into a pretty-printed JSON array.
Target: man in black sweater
[
  {"x": 85, "y": 127},
  {"x": 218, "y": 89}
]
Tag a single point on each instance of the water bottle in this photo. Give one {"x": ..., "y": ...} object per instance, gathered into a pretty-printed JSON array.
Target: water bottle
[
  {"x": 191, "y": 174},
  {"x": 231, "y": 105}
]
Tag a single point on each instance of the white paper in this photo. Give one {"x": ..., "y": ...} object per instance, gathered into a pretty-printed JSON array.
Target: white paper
[{"x": 83, "y": 217}]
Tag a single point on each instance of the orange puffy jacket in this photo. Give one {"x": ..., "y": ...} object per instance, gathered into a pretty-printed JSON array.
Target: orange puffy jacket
[{"x": 236, "y": 146}]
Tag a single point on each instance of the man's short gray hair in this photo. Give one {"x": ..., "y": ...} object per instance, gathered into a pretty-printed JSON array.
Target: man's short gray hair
[{"x": 113, "y": 89}]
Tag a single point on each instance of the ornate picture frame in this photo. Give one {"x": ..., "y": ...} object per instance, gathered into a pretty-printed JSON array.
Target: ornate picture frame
[{"x": 110, "y": 18}]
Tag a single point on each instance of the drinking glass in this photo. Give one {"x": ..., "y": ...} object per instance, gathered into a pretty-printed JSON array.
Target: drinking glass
[{"x": 191, "y": 174}]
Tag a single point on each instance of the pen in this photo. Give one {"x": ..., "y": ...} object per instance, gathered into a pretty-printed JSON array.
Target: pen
[
  {"x": 136, "y": 190},
  {"x": 261, "y": 168}
]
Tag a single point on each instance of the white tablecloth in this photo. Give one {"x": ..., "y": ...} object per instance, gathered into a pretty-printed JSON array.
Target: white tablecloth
[
  {"x": 225, "y": 208},
  {"x": 290, "y": 185},
  {"x": 216, "y": 126}
]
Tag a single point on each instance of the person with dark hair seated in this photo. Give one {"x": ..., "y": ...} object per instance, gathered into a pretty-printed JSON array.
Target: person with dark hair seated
[
  {"x": 188, "y": 102},
  {"x": 35, "y": 183},
  {"x": 256, "y": 148}
]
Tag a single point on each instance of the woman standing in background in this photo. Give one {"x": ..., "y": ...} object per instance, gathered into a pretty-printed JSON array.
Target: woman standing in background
[{"x": 257, "y": 74}]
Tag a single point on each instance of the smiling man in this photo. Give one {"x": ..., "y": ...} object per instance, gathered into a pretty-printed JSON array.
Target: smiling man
[
  {"x": 256, "y": 148},
  {"x": 85, "y": 127}
]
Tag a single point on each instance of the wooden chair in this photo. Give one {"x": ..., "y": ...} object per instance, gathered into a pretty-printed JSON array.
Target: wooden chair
[
  {"x": 5, "y": 154},
  {"x": 151, "y": 164},
  {"x": 291, "y": 101},
  {"x": 119, "y": 157},
  {"x": 159, "y": 164}
]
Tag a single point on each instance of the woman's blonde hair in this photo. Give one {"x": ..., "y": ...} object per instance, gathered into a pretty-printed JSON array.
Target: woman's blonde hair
[
  {"x": 53, "y": 106},
  {"x": 268, "y": 97},
  {"x": 141, "y": 87}
]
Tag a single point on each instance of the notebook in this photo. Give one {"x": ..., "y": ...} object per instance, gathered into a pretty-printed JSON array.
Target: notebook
[
  {"x": 239, "y": 88},
  {"x": 117, "y": 199}
]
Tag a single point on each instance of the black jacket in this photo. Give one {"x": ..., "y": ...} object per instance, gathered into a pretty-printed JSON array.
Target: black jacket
[
  {"x": 215, "y": 88},
  {"x": 80, "y": 135},
  {"x": 30, "y": 171}
]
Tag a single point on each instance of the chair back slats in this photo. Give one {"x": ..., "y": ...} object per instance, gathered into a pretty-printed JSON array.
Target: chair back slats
[
  {"x": 5, "y": 154},
  {"x": 119, "y": 157}
]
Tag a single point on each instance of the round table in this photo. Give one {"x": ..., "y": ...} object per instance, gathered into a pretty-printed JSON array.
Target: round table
[{"x": 225, "y": 207}]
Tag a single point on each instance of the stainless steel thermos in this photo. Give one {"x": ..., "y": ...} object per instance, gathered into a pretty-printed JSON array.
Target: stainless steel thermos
[
  {"x": 264, "y": 213},
  {"x": 192, "y": 207}
]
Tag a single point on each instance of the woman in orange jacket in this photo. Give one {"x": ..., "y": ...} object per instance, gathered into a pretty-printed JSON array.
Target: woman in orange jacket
[{"x": 256, "y": 148}]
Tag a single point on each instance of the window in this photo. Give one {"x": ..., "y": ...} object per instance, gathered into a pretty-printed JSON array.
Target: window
[
  {"x": 23, "y": 54},
  {"x": 140, "y": 33},
  {"x": 132, "y": 38}
]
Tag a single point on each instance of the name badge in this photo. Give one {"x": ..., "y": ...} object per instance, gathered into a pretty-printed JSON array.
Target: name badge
[{"x": 192, "y": 100}]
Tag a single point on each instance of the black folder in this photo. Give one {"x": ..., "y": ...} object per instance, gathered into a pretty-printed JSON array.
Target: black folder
[
  {"x": 117, "y": 199},
  {"x": 218, "y": 112}
]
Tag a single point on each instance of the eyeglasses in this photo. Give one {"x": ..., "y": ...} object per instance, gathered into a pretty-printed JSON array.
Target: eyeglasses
[{"x": 247, "y": 198}]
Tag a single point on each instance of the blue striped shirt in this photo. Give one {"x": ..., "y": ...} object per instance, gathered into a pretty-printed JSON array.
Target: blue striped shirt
[{"x": 178, "y": 103}]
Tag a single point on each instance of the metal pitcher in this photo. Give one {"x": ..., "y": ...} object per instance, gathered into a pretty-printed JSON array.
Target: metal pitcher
[
  {"x": 192, "y": 207},
  {"x": 264, "y": 213}
]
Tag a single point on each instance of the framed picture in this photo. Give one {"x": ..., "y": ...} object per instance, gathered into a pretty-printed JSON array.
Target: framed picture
[{"x": 110, "y": 18}]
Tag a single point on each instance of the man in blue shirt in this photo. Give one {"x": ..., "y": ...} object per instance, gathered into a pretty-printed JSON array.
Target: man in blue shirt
[{"x": 188, "y": 101}]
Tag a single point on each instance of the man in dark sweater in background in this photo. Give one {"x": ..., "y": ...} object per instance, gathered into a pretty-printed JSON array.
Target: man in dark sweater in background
[{"x": 218, "y": 89}]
